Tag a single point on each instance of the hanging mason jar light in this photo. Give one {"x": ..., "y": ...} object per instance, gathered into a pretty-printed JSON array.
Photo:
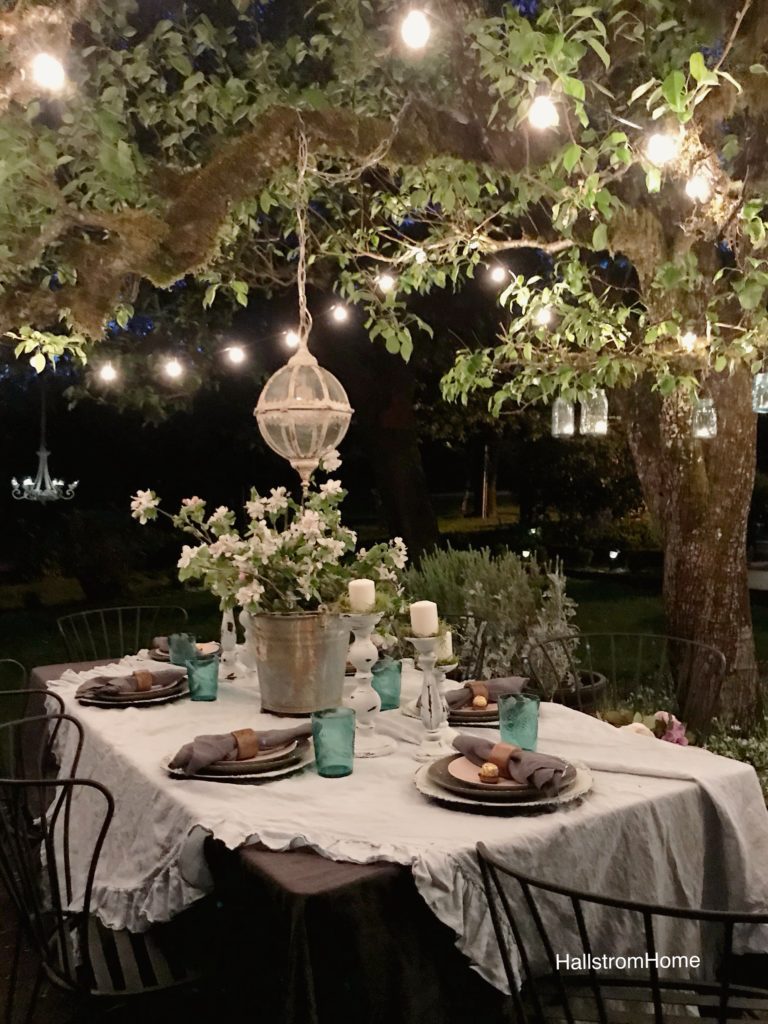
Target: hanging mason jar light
[
  {"x": 563, "y": 418},
  {"x": 594, "y": 413},
  {"x": 760, "y": 392},
  {"x": 303, "y": 412},
  {"x": 704, "y": 419}
]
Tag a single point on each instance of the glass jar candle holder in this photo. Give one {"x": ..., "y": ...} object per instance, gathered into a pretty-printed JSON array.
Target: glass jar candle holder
[
  {"x": 594, "y": 414},
  {"x": 704, "y": 419},
  {"x": 519, "y": 719},
  {"x": 563, "y": 418},
  {"x": 760, "y": 393}
]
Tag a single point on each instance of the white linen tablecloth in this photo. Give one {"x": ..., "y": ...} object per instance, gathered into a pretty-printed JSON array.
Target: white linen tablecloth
[{"x": 663, "y": 824}]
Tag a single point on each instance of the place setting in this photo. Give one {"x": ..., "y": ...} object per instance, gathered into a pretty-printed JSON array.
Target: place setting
[{"x": 243, "y": 756}]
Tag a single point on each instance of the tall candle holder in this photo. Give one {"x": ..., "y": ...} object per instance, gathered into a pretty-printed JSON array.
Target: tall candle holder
[
  {"x": 434, "y": 714},
  {"x": 364, "y": 700},
  {"x": 441, "y": 671}
]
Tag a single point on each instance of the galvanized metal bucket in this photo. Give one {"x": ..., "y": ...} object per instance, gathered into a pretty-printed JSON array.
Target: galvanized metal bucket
[{"x": 300, "y": 660}]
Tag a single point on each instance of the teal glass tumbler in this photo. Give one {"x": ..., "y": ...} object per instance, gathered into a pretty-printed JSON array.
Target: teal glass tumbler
[
  {"x": 386, "y": 681},
  {"x": 519, "y": 719},
  {"x": 203, "y": 677},
  {"x": 333, "y": 732},
  {"x": 181, "y": 647}
]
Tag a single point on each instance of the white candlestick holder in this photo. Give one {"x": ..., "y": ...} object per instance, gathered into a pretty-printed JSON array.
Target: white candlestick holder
[
  {"x": 442, "y": 671},
  {"x": 434, "y": 710},
  {"x": 364, "y": 700}
]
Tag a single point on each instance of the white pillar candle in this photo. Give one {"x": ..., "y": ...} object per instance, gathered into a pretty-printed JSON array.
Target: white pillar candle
[
  {"x": 445, "y": 649},
  {"x": 424, "y": 618},
  {"x": 362, "y": 596}
]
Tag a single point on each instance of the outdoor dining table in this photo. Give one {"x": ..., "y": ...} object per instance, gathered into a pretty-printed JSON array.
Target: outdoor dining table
[{"x": 387, "y": 921}]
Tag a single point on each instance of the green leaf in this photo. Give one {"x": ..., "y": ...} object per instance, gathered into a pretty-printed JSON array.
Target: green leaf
[
  {"x": 697, "y": 65},
  {"x": 758, "y": 69},
  {"x": 600, "y": 50},
  {"x": 653, "y": 179},
  {"x": 571, "y": 156},
  {"x": 37, "y": 362},
  {"x": 600, "y": 238},
  {"x": 720, "y": 363},
  {"x": 574, "y": 87},
  {"x": 673, "y": 90},
  {"x": 641, "y": 90},
  {"x": 181, "y": 64}
]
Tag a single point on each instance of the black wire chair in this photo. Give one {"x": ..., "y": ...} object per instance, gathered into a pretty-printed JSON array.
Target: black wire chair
[
  {"x": 18, "y": 700},
  {"x": 114, "y": 632},
  {"x": 52, "y": 892},
  {"x": 469, "y": 644},
  {"x": 589, "y": 670},
  {"x": 557, "y": 970}
]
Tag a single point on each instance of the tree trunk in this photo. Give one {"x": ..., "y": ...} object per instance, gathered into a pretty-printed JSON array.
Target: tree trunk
[{"x": 699, "y": 492}]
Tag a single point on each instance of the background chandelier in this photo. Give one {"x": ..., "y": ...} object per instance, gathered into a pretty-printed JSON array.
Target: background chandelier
[{"x": 42, "y": 487}]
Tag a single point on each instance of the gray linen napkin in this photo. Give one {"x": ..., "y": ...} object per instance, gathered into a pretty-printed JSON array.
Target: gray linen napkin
[
  {"x": 526, "y": 767},
  {"x": 109, "y": 686},
  {"x": 462, "y": 697},
  {"x": 205, "y": 750}
]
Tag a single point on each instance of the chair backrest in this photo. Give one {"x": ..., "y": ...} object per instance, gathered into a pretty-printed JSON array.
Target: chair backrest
[
  {"x": 468, "y": 644},
  {"x": 588, "y": 670},
  {"x": 114, "y": 632},
  {"x": 51, "y": 892},
  {"x": 552, "y": 943},
  {"x": 37, "y": 752}
]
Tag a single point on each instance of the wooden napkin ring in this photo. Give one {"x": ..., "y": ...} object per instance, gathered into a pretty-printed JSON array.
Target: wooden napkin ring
[
  {"x": 247, "y": 743},
  {"x": 143, "y": 680},
  {"x": 500, "y": 755},
  {"x": 479, "y": 690}
]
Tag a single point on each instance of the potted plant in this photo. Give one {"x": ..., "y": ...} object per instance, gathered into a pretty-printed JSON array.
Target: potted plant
[{"x": 289, "y": 568}]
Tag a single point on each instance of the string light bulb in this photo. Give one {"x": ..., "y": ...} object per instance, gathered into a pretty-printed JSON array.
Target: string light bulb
[
  {"x": 688, "y": 341},
  {"x": 386, "y": 283},
  {"x": 699, "y": 187},
  {"x": 173, "y": 369},
  {"x": 108, "y": 373},
  {"x": 498, "y": 274},
  {"x": 292, "y": 339},
  {"x": 542, "y": 114},
  {"x": 48, "y": 72},
  {"x": 544, "y": 316},
  {"x": 415, "y": 29},
  {"x": 662, "y": 148},
  {"x": 235, "y": 354},
  {"x": 340, "y": 314}
]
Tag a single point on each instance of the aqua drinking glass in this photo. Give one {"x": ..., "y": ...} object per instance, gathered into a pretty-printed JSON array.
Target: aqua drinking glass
[
  {"x": 519, "y": 720},
  {"x": 333, "y": 732},
  {"x": 181, "y": 647},
  {"x": 387, "y": 679},
  {"x": 203, "y": 677}
]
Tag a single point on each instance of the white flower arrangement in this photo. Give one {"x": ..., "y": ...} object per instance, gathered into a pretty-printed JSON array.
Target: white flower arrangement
[{"x": 291, "y": 557}]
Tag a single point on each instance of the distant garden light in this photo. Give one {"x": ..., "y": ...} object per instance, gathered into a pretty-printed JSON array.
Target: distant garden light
[
  {"x": 340, "y": 314},
  {"x": 699, "y": 187},
  {"x": 542, "y": 114},
  {"x": 235, "y": 354},
  {"x": 613, "y": 555},
  {"x": 386, "y": 283},
  {"x": 662, "y": 148},
  {"x": 48, "y": 72},
  {"x": 173, "y": 369},
  {"x": 108, "y": 373},
  {"x": 415, "y": 29},
  {"x": 526, "y": 553}
]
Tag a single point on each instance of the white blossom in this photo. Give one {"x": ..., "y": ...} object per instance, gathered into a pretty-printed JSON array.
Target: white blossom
[
  {"x": 277, "y": 501},
  {"x": 249, "y": 594},
  {"x": 143, "y": 505},
  {"x": 187, "y": 554},
  {"x": 227, "y": 544},
  {"x": 255, "y": 508},
  {"x": 399, "y": 553},
  {"x": 218, "y": 516},
  {"x": 330, "y": 487},
  {"x": 330, "y": 461}
]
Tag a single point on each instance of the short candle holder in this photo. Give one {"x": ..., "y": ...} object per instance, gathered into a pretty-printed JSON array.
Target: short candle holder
[
  {"x": 364, "y": 700},
  {"x": 434, "y": 715}
]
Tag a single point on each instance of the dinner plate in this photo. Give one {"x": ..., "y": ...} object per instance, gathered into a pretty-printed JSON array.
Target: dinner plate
[
  {"x": 204, "y": 650},
  {"x": 134, "y": 700},
  {"x": 457, "y": 774},
  {"x": 289, "y": 753},
  {"x": 152, "y": 694},
  {"x": 476, "y": 719},
  {"x": 578, "y": 789},
  {"x": 304, "y": 756}
]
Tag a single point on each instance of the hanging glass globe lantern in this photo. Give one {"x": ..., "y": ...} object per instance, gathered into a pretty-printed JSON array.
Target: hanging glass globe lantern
[
  {"x": 303, "y": 412},
  {"x": 704, "y": 419},
  {"x": 594, "y": 414},
  {"x": 760, "y": 392},
  {"x": 563, "y": 418}
]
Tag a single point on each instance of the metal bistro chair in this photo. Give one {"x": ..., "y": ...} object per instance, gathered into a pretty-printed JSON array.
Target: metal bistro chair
[
  {"x": 18, "y": 700},
  {"x": 468, "y": 645},
  {"x": 113, "y": 632},
  {"x": 563, "y": 972},
  {"x": 589, "y": 669},
  {"x": 74, "y": 950}
]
